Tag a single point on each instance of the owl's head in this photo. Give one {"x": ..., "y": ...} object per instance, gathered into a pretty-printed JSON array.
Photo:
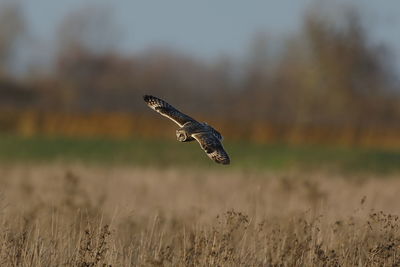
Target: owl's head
[{"x": 181, "y": 136}]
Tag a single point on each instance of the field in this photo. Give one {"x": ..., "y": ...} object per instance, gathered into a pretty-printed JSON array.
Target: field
[
  {"x": 68, "y": 202},
  {"x": 169, "y": 153}
]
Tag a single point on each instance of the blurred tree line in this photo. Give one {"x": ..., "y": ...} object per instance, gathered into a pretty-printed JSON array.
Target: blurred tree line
[{"x": 326, "y": 82}]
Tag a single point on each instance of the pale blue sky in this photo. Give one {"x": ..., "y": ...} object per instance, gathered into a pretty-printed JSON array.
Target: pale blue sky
[{"x": 206, "y": 28}]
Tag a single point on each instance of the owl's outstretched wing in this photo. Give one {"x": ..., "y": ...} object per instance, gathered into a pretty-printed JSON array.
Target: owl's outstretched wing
[
  {"x": 167, "y": 110},
  {"x": 213, "y": 147}
]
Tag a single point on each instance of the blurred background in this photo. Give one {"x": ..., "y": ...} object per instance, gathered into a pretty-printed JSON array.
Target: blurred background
[
  {"x": 308, "y": 82},
  {"x": 306, "y": 94}
]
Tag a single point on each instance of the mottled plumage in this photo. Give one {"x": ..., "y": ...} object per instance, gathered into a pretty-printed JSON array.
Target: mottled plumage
[{"x": 208, "y": 138}]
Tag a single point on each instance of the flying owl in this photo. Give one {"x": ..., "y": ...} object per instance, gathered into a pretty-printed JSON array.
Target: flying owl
[{"x": 190, "y": 129}]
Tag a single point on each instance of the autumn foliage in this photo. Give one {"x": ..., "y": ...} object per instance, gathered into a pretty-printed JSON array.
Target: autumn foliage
[{"x": 328, "y": 83}]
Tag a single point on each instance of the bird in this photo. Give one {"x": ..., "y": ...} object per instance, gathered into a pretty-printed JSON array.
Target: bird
[{"x": 210, "y": 140}]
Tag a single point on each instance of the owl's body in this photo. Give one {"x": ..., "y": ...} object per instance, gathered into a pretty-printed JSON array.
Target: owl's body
[
  {"x": 190, "y": 129},
  {"x": 185, "y": 134}
]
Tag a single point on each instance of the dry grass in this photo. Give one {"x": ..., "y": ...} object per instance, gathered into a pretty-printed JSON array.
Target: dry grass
[{"x": 74, "y": 215}]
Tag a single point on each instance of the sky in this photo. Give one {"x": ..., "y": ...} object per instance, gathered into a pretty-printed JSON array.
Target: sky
[{"x": 206, "y": 28}]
